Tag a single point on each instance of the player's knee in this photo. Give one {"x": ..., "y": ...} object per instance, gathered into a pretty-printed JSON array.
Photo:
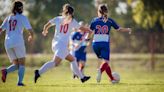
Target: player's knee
[
  {"x": 21, "y": 61},
  {"x": 57, "y": 63},
  {"x": 15, "y": 62},
  {"x": 72, "y": 59}
]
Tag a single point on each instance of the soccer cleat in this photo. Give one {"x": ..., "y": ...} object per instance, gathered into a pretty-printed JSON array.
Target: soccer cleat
[
  {"x": 20, "y": 84},
  {"x": 37, "y": 75},
  {"x": 4, "y": 75},
  {"x": 85, "y": 79},
  {"x": 98, "y": 76}
]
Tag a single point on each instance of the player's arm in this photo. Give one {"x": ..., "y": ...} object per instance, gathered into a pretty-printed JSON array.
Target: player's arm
[
  {"x": 46, "y": 28},
  {"x": 85, "y": 29},
  {"x": 31, "y": 35},
  {"x": 121, "y": 29},
  {"x": 90, "y": 38},
  {"x": 3, "y": 26},
  {"x": 118, "y": 28}
]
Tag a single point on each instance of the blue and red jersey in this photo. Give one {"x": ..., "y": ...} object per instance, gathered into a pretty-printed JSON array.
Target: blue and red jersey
[{"x": 102, "y": 29}]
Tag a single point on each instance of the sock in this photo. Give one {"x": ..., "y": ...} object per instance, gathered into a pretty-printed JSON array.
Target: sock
[
  {"x": 103, "y": 67},
  {"x": 12, "y": 68},
  {"x": 21, "y": 71},
  {"x": 46, "y": 67},
  {"x": 109, "y": 72},
  {"x": 76, "y": 70}
]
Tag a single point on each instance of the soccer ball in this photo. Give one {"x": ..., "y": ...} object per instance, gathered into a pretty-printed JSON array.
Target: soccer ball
[{"x": 116, "y": 76}]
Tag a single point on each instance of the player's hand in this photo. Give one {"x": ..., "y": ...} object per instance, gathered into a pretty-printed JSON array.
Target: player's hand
[
  {"x": 130, "y": 30},
  {"x": 30, "y": 38},
  {"x": 44, "y": 33}
]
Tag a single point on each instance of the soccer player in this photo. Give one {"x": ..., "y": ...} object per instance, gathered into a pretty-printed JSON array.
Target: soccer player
[
  {"x": 63, "y": 24},
  {"x": 101, "y": 27},
  {"x": 78, "y": 47},
  {"x": 14, "y": 41}
]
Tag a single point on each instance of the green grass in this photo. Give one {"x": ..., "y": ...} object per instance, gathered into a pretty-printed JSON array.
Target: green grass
[{"x": 60, "y": 79}]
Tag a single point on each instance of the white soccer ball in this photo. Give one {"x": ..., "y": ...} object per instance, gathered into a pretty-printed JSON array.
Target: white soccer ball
[{"x": 116, "y": 76}]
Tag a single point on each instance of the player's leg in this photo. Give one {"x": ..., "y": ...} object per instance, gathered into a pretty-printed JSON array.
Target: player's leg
[
  {"x": 97, "y": 50},
  {"x": 73, "y": 53},
  {"x": 21, "y": 71},
  {"x": 75, "y": 69},
  {"x": 81, "y": 66},
  {"x": 55, "y": 62},
  {"x": 47, "y": 66},
  {"x": 20, "y": 52},
  {"x": 11, "y": 68},
  {"x": 105, "y": 53},
  {"x": 82, "y": 61}
]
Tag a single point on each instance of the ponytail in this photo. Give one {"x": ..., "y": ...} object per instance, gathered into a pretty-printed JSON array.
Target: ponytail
[
  {"x": 67, "y": 10},
  {"x": 103, "y": 10}
]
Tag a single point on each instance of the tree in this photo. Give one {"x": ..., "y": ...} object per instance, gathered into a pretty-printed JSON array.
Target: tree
[{"x": 150, "y": 15}]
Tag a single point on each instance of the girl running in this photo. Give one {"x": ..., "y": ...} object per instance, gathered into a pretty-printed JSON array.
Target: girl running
[
  {"x": 14, "y": 41},
  {"x": 63, "y": 25},
  {"x": 78, "y": 46},
  {"x": 101, "y": 27}
]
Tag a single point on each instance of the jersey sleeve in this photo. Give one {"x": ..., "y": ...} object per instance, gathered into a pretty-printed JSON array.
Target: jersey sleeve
[
  {"x": 26, "y": 23},
  {"x": 76, "y": 24},
  {"x": 4, "y": 25},
  {"x": 54, "y": 21},
  {"x": 114, "y": 24}
]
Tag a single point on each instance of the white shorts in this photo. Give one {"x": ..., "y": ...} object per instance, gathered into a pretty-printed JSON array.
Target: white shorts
[
  {"x": 60, "y": 50},
  {"x": 16, "y": 52}
]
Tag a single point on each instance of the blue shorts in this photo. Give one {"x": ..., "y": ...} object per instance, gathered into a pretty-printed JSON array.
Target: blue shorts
[
  {"x": 81, "y": 54},
  {"x": 102, "y": 50}
]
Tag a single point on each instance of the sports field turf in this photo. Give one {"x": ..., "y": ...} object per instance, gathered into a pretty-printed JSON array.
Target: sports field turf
[{"x": 60, "y": 80}]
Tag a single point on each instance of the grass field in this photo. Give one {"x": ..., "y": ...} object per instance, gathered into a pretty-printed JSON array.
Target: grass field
[{"x": 60, "y": 79}]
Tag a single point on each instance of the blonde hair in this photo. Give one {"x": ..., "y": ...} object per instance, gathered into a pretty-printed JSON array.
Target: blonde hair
[{"x": 67, "y": 10}]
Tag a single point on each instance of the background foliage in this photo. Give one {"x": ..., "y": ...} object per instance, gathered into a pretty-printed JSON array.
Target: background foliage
[{"x": 143, "y": 16}]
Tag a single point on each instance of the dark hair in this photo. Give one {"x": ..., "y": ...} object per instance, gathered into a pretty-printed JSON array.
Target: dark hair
[
  {"x": 17, "y": 7},
  {"x": 67, "y": 9},
  {"x": 103, "y": 9}
]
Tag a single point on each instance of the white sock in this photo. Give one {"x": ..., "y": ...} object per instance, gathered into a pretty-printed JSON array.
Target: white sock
[
  {"x": 76, "y": 70},
  {"x": 46, "y": 67}
]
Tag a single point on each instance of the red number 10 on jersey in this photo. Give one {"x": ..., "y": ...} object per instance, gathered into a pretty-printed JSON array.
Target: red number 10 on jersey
[{"x": 64, "y": 28}]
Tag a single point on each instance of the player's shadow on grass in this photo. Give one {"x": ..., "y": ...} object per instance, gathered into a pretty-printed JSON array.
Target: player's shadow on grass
[
  {"x": 60, "y": 85},
  {"x": 98, "y": 84}
]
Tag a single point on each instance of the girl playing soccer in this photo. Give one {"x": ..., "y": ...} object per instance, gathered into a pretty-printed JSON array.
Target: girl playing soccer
[
  {"x": 63, "y": 24},
  {"x": 101, "y": 26},
  {"x": 78, "y": 46},
  {"x": 14, "y": 42}
]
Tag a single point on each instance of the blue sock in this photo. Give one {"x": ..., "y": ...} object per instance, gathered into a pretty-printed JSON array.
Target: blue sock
[
  {"x": 21, "y": 71},
  {"x": 12, "y": 68}
]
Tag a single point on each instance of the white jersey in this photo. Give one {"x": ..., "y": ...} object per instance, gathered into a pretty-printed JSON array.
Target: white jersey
[
  {"x": 14, "y": 25},
  {"x": 62, "y": 32}
]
